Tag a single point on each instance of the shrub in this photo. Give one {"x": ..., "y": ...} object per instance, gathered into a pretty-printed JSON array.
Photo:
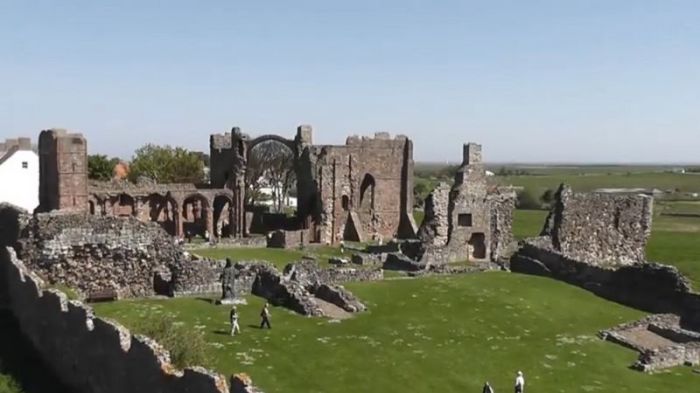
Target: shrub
[
  {"x": 9, "y": 385},
  {"x": 187, "y": 347},
  {"x": 527, "y": 201}
]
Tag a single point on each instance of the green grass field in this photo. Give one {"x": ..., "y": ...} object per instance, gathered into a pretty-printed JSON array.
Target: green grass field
[
  {"x": 436, "y": 333},
  {"x": 588, "y": 182},
  {"x": 448, "y": 334},
  {"x": 277, "y": 256}
]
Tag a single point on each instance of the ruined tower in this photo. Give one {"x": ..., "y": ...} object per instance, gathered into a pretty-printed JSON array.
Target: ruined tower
[
  {"x": 63, "y": 171},
  {"x": 470, "y": 222}
]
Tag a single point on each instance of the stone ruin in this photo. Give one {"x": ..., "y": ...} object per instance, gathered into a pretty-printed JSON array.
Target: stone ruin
[
  {"x": 362, "y": 190},
  {"x": 600, "y": 229},
  {"x": 660, "y": 340},
  {"x": 99, "y": 256},
  {"x": 110, "y": 258},
  {"x": 597, "y": 241},
  {"x": 468, "y": 221}
]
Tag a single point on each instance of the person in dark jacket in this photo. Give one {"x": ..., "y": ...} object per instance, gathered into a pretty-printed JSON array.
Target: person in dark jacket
[
  {"x": 487, "y": 388},
  {"x": 265, "y": 316}
]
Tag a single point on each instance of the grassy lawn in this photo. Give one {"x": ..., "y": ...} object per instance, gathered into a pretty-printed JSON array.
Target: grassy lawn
[
  {"x": 528, "y": 223},
  {"x": 590, "y": 181},
  {"x": 446, "y": 334},
  {"x": 681, "y": 249},
  {"x": 279, "y": 257}
]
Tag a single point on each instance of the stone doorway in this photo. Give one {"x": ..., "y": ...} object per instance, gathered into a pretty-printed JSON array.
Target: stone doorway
[{"x": 477, "y": 246}]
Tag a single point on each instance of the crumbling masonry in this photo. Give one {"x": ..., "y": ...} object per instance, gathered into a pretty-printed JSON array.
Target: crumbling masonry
[
  {"x": 470, "y": 221},
  {"x": 362, "y": 190}
]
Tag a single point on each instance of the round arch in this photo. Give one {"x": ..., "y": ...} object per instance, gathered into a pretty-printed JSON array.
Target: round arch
[
  {"x": 195, "y": 216},
  {"x": 272, "y": 137}
]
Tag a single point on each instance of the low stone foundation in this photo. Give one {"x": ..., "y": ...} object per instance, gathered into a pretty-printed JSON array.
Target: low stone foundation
[{"x": 660, "y": 340}]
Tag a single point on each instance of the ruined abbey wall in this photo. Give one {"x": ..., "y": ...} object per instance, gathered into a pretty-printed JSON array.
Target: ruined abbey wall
[
  {"x": 600, "y": 229},
  {"x": 365, "y": 188},
  {"x": 97, "y": 254},
  {"x": 469, "y": 221}
]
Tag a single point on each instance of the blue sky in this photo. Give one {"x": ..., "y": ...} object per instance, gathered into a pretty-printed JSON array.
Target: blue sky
[{"x": 533, "y": 81}]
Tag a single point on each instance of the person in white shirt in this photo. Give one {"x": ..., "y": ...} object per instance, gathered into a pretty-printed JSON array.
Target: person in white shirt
[
  {"x": 519, "y": 383},
  {"x": 234, "y": 321}
]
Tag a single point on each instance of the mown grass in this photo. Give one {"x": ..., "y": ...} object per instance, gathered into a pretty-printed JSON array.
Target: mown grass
[
  {"x": 277, "y": 256},
  {"x": 446, "y": 334}
]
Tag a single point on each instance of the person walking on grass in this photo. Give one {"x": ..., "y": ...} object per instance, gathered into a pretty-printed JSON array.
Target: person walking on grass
[
  {"x": 487, "y": 388},
  {"x": 265, "y": 316},
  {"x": 520, "y": 383},
  {"x": 233, "y": 316}
]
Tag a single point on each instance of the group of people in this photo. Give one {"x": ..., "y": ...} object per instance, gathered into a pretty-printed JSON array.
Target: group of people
[
  {"x": 519, "y": 384},
  {"x": 264, "y": 319}
]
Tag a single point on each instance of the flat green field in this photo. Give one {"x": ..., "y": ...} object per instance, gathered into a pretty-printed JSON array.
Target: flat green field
[
  {"x": 590, "y": 181},
  {"x": 277, "y": 256},
  {"x": 446, "y": 334}
]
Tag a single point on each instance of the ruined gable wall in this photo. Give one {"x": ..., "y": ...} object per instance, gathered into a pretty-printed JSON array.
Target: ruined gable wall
[
  {"x": 341, "y": 171},
  {"x": 383, "y": 158},
  {"x": 468, "y": 198},
  {"x": 98, "y": 253},
  {"x": 91, "y": 354},
  {"x": 600, "y": 229}
]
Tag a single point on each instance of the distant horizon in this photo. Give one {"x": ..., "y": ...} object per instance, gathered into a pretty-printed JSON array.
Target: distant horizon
[{"x": 457, "y": 160}]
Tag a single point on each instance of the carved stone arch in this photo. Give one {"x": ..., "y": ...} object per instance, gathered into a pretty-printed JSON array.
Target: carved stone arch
[
  {"x": 271, "y": 137},
  {"x": 124, "y": 205},
  {"x": 222, "y": 215},
  {"x": 196, "y": 215}
]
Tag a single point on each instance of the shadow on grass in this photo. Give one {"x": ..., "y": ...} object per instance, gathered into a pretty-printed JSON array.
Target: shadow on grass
[{"x": 206, "y": 299}]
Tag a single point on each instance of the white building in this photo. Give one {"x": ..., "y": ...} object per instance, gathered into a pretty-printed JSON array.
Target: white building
[{"x": 19, "y": 173}]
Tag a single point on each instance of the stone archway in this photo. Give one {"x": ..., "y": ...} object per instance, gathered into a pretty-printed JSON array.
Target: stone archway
[
  {"x": 477, "y": 246},
  {"x": 196, "y": 216},
  {"x": 163, "y": 210},
  {"x": 123, "y": 205},
  {"x": 223, "y": 211}
]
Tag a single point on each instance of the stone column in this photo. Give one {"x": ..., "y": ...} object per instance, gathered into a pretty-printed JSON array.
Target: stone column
[
  {"x": 208, "y": 214},
  {"x": 177, "y": 216}
]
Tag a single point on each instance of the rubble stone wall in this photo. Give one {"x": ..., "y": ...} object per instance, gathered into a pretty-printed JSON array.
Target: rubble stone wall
[
  {"x": 469, "y": 221},
  {"x": 95, "y": 254},
  {"x": 502, "y": 205},
  {"x": 92, "y": 354},
  {"x": 599, "y": 228}
]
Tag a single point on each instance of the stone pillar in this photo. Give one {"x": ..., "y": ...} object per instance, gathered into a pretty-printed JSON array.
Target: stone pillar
[
  {"x": 208, "y": 214},
  {"x": 177, "y": 216}
]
